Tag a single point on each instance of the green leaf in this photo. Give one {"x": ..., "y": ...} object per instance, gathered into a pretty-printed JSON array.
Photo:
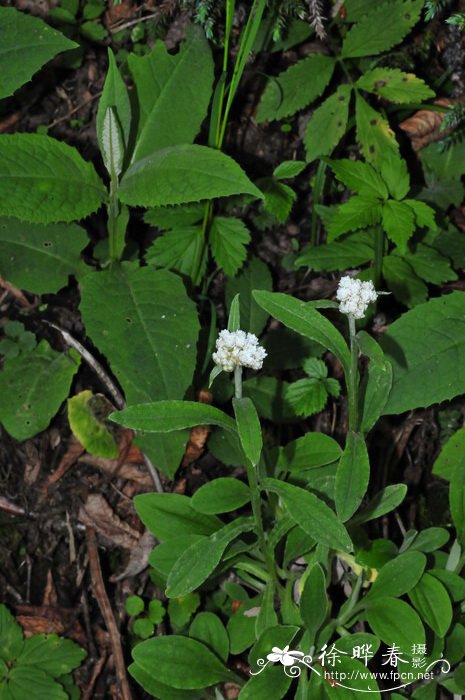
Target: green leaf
[
  {"x": 38, "y": 685},
  {"x": 266, "y": 617},
  {"x": 202, "y": 558},
  {"x": 295, "y": 88},
  {"x": 234, "y": 315},
  {"x": 88, "y": 424},
  {"x": 374, "y": 134},
  {"x": 256, "y": 275},
  {"x": 178, "y": 250},
  {"x": 454, "y": 584},
  {"x": 327, "y": 124},
  {"x": 221, "y": 495},
  {"x": 167, "y": 416},
  {"x": 432, "y": 601},
  {"x": 307, "y": 396},
  {"x": 382, "y": 28},
  {"x": 115, "y": 96},
  {"x": 303, "y": 318},
  {"x": 279, "y": 198},
  {"x": 160, "y": 690},
  {"x": 358, "y": 212},
  {"x": 26, "y": 44},
  {"x": 430, "y": 539},
  {"x": 314, "y": 600},
  {"x": 228, "y": 239},
  {"x": 379, "y": 381},
  {"x": 159, "y": 658},
  {"x": 148, "y": 335},
  {"x": 35, "y": 384},
  {"x": 134, "y": 605},
  {"x": 384, "y": 502},
  {"x": 269, "y": 396},
  {"x": 399, "y": 223},
  {"x": 353, "y": 251},
  {"x": 430, "y": 265},
  {"x": 11, "y": 635},
  {"x": 312, "y": 514},
  {"x": 457, "y": 504},
  {"x": 173, "y": 93},
  {"x": 249, "y": 429},
  {"x": 352, "y": 476},
  {"x": 170, "y": 515},
  {"x": 395, "y": 174},
  {"x": 310, "y": 451},
  {"x": 207, "y": 628},
  {"x": 165, "y": 555},
  {"x": 395, "y": 622},
  {"x": 41, "y": 258},
  {"x": 45, "y": 181},
  {"x": 272, "y": 683},
  {"x": 289, "y": 169},
  {"x": 424, "y": 214},
  {"x": 359, "y": 177},
  {"x": 440, "y": 321},
  {"x": 181, "y": 174},
  {"x": 403, "y": 282},
  {"x": 54, "y": 655},
  {"x": 394, "y": 85},
  {"x": 451, "y": 459},
  {"x": 175, "y": 217},
  {"x": 398, "y": 576}
]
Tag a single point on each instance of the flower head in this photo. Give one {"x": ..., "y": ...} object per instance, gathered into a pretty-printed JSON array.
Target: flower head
[
  {"x": 238, "y": 349},
  {"x": 355, "y": 296}
]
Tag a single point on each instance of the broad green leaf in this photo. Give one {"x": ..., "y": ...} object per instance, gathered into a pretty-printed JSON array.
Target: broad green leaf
[
  {"x": 453, "y": 583},
  {"x": 11, "y": 635},
  {"x": 52, "y": 654},
  {"x": 396, "y": 175},
  {"x": 198, "y": 561},
  {"x": 358, "y": 681},
  {"x": 269, "y": 396},
  {"x": 307, "y": 396},
  {"x": 399, "y": 223},
  {"x": 182, "y": 174},
  {"x": 160, "y": 658},
  {"x": 278, "y": 198},
  {"x": 374, "y": 134},
  {"x": 354, "y": 250},
  {"x": 148, "y": 335},
  {"x": 352, "y": 476},
  {"x": 430, "y": 265},
  {"x": 114, "y": 96},
  {"x": 430, "y": 539},
  {"x": 26, "y": 44},
  {"x": 398, "y": 576},
  {"x": 327, "y": 124},
  {"x": 272, "y": 683},
  {"x": 25, "y": 682},
  {"x": 256, "y": 275},
  {"x": 178, "y": 250},
  {"x": 314, "y": 600},
  {"x": 441, "y": 321},
  {"x": 173, "y": 93},
  {"x": 424, "y": 214},
  {"x": 451, "y": 459},
  {"x": 88, "y": 425},
  {"x": 207, "y": 628},
  {"x": 395, "y": 622},
  {"x": 165, "y": 555},
  {"x": 221, "y": 495},
  {"x": 175, "y": 217},
  {"x": 35, "y": 383},
  {"x": 170, "y": 515},
  {"x": 394, "y": 85},
  {"x": 301, "y": 317},
  {"x": 359, "y": 177},
  {"x": 289, "y": 169},
  {"x": 358, "y": 212},
  {"x": 228, "y": 239},
  {"x": 381, "y": 28},
  {"x": 432, "y": 601},
  {"x": 266, "y": 617},
  {"x": 403, "y": 282},
  {"x": 40, "y": 258},
  {"x": 310, "y": 451},
  {"x": 455, "y": 644},
  {"x": 312, "y": 514},
  {"x": 45, "y": 181},
  {"x": 161, "y": 690},
  {"x": 384, "y": 502},
  {"x": 279, "y": 635},
  {"x": 249, "y": 429},
  {"x": 168, "y": 416},
  {"x": 295, "y": 88},
  {"x": 378, "y": 383}
]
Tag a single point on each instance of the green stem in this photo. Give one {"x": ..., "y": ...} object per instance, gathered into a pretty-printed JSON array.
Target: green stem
[
  {"x": 113, "y": 213},
  {"x": 352, "y": 384},
  {"x": 238, "y": 382}
]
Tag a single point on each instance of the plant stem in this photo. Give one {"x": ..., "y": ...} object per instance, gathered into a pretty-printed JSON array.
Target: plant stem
[
  {"x": 352, "y": 385},
  {"x": 238, "y": 382},
  {"x": 113, "y": 211}
]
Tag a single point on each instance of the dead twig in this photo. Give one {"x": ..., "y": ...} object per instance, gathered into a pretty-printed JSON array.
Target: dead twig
[
  {"x": 74, "y": 110},
  {"x": 95, "y": 674}
]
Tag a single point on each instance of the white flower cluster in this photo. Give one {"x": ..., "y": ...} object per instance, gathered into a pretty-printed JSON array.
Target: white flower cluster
[
  {"x": 355, "y": 296},
  {"x": 238, "y": 349}
]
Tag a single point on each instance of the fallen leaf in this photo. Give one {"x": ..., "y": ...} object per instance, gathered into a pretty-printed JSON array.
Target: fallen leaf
[
  {"x": 96, "y": 513},
  {"x": 424, "y": 126}
]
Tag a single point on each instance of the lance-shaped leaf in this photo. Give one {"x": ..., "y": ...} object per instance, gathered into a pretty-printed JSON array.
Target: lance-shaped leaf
[
  {"x": 167, "y": 416},
  {"x": 352, "y": 476},
  {"x": 328, "y": 124},
  {"x": 352, "y": 251},
  {"x": 112, "y": 144},
  {"x": 377, "y": 384},
  {"x": 248, "y": 428},
  {"x": 374, "y": 134},
  {"x": 115, "y": 96}
]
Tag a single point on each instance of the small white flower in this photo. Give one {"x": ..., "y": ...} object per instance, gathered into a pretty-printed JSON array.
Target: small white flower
[
  {"x": 238, "y": 349},
  {"x": 355, "y": 296},
  {"x": 284, "y": 656}
]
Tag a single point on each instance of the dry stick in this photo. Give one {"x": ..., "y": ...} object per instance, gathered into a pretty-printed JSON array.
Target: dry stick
[
  {"x": 95, "y": 674},
  {"x": 107, "y": 613},
  {"x": 74, "y": 110}
]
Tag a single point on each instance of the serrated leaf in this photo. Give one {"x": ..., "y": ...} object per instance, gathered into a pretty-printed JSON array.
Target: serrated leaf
[
  {"x": 255, "y": 275},
  {"x": 11, "y": 635},
  {"x": 35, "y": 383},
  {"x": 22, "y": 683},
  {"x": 52, "y": 654},
  {"x": 295, "y": 88},
  {"x": 358, "y": 212},
  {"x": 403, "y": 282},
  {"x": 355, "y": 250},
  {"x": 307, "y": 396},
  {"x": 359, "y": 177},
  {"x": 26, "y": 44},
  {"x": 352, "y": 476},
  {"x": 382, "y": 28},
  {"x": 278, "y": 198},
  {"x": 115, "y": 96},
  {"x": 430, "y": 265},
  {"x": 40, "y": 258},
  {"x": 395, "y": 174},
  {"x": 327, "y": 124},
  {"x": 175, "y": 217},
  {"x": 148, "y": 334},
  {"x": 428, "y": 341},
  {"x": 182, "y": 174},
  {"x": 424, "y": 214},
  {"x": 394, "y": 85},
  {"x": 374, "y": 134},
  {"x": 173, "y": 93},
  {"x": 89, "y": 427},
  {"x": 228, "y": 239},
  {"x": 289, "y": 169},
  {"x": 45, "y": 181},
  {"x": 178, "y": 250},
  {"x": 399, "y": 223}
]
